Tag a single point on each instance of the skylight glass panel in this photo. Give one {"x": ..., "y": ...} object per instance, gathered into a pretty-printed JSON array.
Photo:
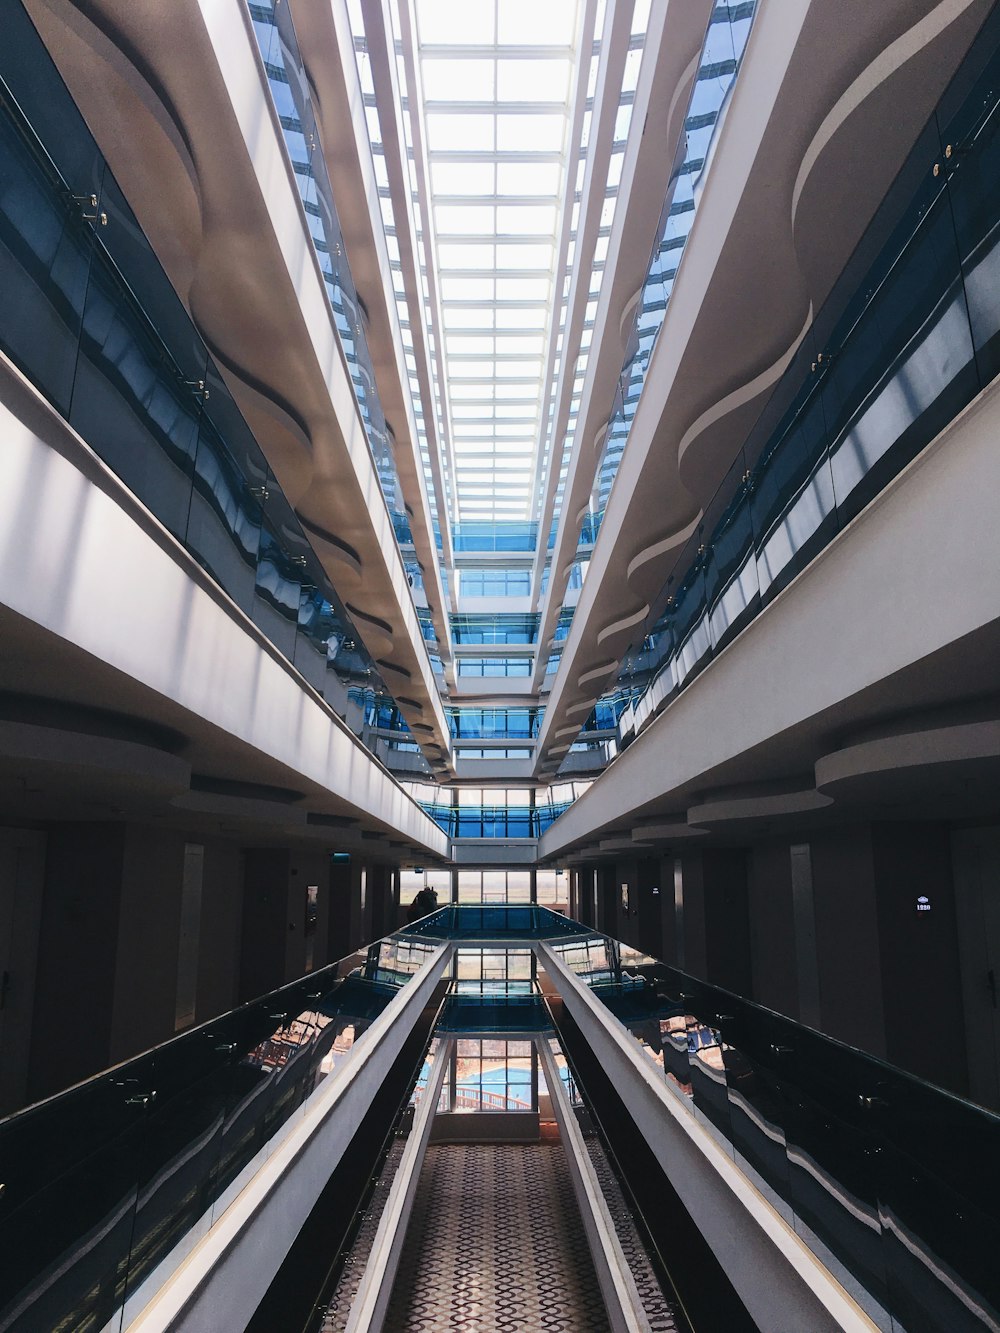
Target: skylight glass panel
[
  {"x": 494, "y": 221},
  {"x": 467, "y": 80},
  {"x": 465, "y": 255},
  {"x": 530, "y": 133},
  {"x": 522, "y": 318},
  {"x": 462, "y": 178},
  {"x": 526, "y": 22},
  {"x": 524, "y": 257},
  {"x": 469, "y": 317},
  {"x": 464, "y": 219},
  {"x": 459, "y": 133},
  {"x": 470, "y": 23},
  {"x": 466, "y": 289},
  {"x": 530, "y": 80},
  {"x": 523, "y": 289},
  {"x": 526, "y": 220},
  {"x": 527, "y": 179}
]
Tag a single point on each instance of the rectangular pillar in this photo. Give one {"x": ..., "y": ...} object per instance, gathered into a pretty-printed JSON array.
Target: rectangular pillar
[
  {"x": 345, "y": 918},
  {"x": 772, "y": 928}
]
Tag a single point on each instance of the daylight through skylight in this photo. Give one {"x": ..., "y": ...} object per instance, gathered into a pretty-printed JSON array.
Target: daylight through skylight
[{"x": 497, "y": 80}]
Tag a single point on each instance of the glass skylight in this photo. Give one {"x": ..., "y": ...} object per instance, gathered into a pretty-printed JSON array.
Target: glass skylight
[{"x": 496, "y": 80}]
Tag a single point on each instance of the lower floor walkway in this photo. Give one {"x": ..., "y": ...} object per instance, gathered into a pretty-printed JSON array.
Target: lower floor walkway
[{"x": 496, "y": 1242}]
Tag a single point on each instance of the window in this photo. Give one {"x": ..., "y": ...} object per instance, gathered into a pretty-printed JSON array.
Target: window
[
  {"x": 494, "y": 666},
  {"x": 495, "y": 582},
  {"x": 500, "y": 752},
  {"x": 494, "y": 886},
  {"x": 494, "y": 1075},
  {"x": 494, "y": 723}
]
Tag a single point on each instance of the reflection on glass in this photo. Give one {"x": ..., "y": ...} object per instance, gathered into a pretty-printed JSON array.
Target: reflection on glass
[{"x": 879, "y": 1173}]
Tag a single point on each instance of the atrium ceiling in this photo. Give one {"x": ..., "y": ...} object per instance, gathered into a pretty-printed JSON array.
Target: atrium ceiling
[{"x": 499, "y": 101}]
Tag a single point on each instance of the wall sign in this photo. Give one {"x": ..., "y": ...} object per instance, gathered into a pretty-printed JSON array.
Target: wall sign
[{"x": 923, "y": 903}]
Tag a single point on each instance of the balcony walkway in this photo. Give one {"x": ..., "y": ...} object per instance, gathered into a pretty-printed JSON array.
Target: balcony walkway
[{"x": 496, "y": 1241}]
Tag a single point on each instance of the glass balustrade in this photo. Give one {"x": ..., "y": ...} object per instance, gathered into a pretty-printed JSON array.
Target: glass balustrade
[
  {"x": 118, "y": 1177},
  {"x": 893, "y": 1182},
  {"x": 904, "y": 342},
  {"x": 90, "y": 317}
]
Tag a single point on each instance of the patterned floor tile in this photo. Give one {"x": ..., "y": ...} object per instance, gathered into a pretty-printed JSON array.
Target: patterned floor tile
[{"x": 495, "y": 1243}]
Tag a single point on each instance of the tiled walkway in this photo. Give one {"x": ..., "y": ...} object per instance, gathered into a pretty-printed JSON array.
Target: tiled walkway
[{"x": 495, "y": 1243}]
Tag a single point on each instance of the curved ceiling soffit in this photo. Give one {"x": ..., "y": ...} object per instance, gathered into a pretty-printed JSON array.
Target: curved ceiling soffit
[
  {"x": 346, "y": 556},
  {"x": 629, "y": 306},
  {"x": 625, "y": 623},
  {"x": 597, "y": 674},
  {"x": 127, "y": 77},
  {"x": 885, "y": 64},
  {"x": 271, "y": 417},
  {"x": 704, "y": 430},
  {"x": 563, "y": 732},
  {"x": 110, "y": 42},
  {"x": 584, "y": 706},
  {"x": 916, "y": 751},
  {"x": 638, "y": 565},
  {"x": 743, "y": 395}
]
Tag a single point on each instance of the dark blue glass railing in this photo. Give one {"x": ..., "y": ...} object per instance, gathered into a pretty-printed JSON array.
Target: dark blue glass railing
[
  {"x": 493, "y": 1006},
  {"x": 467, "y": 921},
  {"x": 908, "y": 337},
  {"x": 113, "y": 1180},
  {"x": 502, "y": 535},
  {"x": 725, "y": 40},
  {"x": 494, "y": 723},
  {"x": 292, "y": 97},
  {"x": 893, "y": 1182},
  {"x": 91, "y": 319},
  {"x": 503, "y": 627}
]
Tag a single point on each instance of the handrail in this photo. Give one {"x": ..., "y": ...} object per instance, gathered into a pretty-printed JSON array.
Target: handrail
[{"x": 892, "y": 1180}]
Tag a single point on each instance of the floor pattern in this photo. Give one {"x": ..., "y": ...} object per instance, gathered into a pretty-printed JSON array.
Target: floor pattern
[
  {"x": 495, "y": 1243},
  {"x": 658, "y": 1307},
  {"x": 338, "y": 1307}
]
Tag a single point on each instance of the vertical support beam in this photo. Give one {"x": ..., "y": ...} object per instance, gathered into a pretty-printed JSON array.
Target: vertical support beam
[
  {"x": 346, "y": 923},
  {"x": 264, "y": 952},
  {"x": 77, "y": 956},
  {"x": 772, "y": 931},
  {"x": 804, "y": 922}
]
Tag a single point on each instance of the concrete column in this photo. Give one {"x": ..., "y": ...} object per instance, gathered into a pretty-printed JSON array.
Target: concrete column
[
  {"x": 264, "y": 953},
  {"x": 379, "y": 909},
  {"x": 716, "y": 921},
  {"x": 772, "y": 929},
  {"x": 345, "y": 921},
  {"x": 607, "y": 900},
  {"x": 22, "y": 882},
  {"x": 149, "y": 925},
  {"x": 921, "y": 981},
  {"x": 691, "y": 921},
  {"x": 77, "y": 955},
  {"x": 667, "y": 944},
  {"x": 221, "y": 929},
  {"x": 626, "y": 903},
  {"x": 847, "y": 938},
  {"x": 649, "y": 896},
  {"x": 110, "y": 948},
  {"x": 976, "y": 862}
]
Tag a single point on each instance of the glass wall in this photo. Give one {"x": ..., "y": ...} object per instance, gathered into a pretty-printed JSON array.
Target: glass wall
[
  {"x": 494, "y": 723},
  {"x": 494, "y": 582},
  {"x": 489, "y": 667},
  {"x": 494, "y": 886},
  {"x": 494, "y": 1074}
]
